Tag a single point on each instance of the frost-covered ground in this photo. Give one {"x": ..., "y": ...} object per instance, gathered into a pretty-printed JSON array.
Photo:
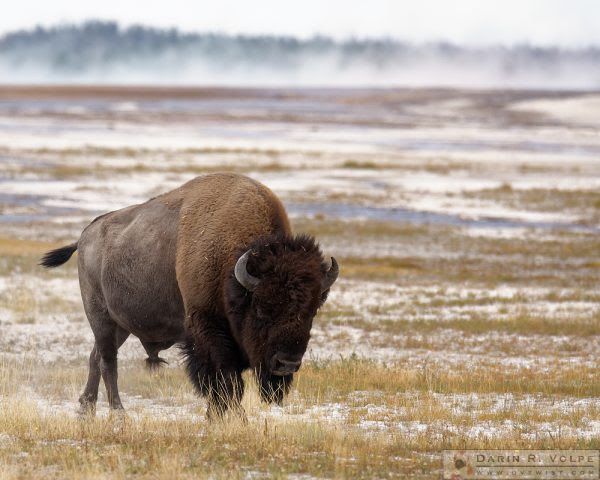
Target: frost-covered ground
[{"x": 466, "y": 225}]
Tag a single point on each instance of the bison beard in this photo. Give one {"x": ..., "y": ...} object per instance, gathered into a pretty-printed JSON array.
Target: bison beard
[
  {"x": 273, "y": 388},
  {"x": 224, "y": 388}
]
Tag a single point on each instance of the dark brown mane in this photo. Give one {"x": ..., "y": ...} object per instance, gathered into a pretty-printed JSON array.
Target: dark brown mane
[
  {"x": 280, "y": 254},
  {"x": 292, "y": 260}
]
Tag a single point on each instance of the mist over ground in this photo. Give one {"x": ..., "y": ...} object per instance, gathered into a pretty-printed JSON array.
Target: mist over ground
[{"x": 104, "y": 52}]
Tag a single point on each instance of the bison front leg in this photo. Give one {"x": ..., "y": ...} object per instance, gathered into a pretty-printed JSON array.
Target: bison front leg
[
  {"x": 217, "y": 377},
  {"x": 224, "y": 391}
]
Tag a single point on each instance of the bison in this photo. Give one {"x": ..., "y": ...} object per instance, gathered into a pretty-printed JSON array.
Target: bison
[{"x": 211, "y": 266}]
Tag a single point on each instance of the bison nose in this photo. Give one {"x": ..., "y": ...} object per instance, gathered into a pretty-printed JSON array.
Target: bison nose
[{"x": 284, "y": 364}]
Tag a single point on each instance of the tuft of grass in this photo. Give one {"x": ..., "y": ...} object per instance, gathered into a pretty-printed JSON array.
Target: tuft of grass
[
  {"x": 362, "y": 230},
  {"x": 382, "y": 268},
  {"x": 362, "y": 164},
  {"x": 584, "y": 202}
]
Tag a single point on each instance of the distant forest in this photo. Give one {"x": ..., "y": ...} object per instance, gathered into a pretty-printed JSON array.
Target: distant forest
[{"x": 103, "y": 50}]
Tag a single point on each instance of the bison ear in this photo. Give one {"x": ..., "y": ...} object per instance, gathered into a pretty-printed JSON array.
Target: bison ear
[
  {"x": 330, "y": 275},
  {"x": 249, "y": 282}
]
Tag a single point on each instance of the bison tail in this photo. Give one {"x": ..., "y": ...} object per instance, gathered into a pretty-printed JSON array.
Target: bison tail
[{"x": 57, "y": 257}]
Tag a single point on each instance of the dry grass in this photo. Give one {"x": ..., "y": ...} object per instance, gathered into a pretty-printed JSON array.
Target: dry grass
[
  {"x": 362, "y": 230},
  {"x": 416, "y": 319},
  {"x": 150, "y": 447},
  {"x": 19, "y": 247},
  {"x": 379, "y": 268},
  {"x": 331, "y": 379},
  {"x": 543, "y": 200},
  {"x": 99, "y": 171},
  {"x": 154, "y": 448},
  {"x": 22, "y": 255},
  {"x": 35, "y": 443}
]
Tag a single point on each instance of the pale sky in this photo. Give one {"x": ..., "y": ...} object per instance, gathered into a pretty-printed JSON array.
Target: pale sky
[{"x": 474, "y": 22}]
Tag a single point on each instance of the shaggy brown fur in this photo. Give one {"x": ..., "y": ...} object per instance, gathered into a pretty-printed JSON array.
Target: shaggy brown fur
[
  {"x": 220, "y": 215},
  {"x": 164, "y": 271}
]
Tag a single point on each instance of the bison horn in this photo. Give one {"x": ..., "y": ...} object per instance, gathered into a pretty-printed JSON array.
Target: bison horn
[
  {"x": 247, "y": 281},
  {"x": 330, "y": 275}
]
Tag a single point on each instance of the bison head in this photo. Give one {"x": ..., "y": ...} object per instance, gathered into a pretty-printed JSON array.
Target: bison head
[{"x": 278, "y": 285}]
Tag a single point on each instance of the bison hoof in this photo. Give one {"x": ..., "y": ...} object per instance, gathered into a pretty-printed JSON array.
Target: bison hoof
[
  {"x": 214, "y": 414},
  {"x": 86, "y": 409},
  {"x": 240, "y": 414},
  {"x": 221, "y": 412}
]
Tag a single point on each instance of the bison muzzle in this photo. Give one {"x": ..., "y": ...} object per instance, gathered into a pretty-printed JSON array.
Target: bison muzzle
[{"x": 211, "y": 266}]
